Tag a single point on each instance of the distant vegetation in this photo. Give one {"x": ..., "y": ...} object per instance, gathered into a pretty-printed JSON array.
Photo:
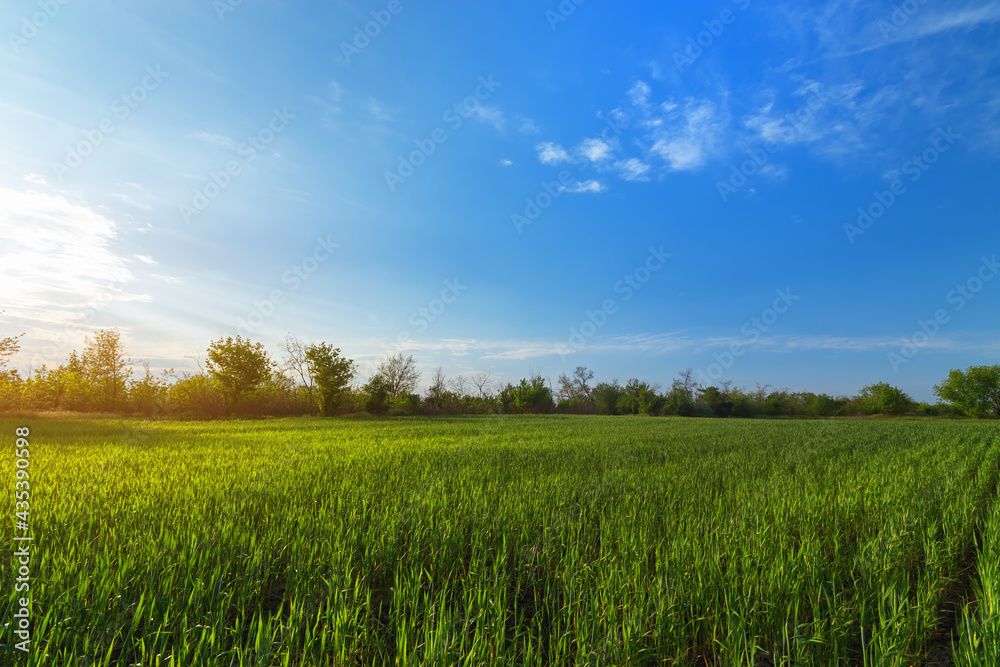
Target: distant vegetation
[{"x": 241, "y": 379}]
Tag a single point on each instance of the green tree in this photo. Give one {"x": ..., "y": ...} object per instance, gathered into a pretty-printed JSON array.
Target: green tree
[
  {"x": 606, "y": 397},
  {"x": 530, "y": 395},
  {"x": 678, "y": 401},
  {"x": 976, "y": 390},
  {"x": 148, "y": 395},
  {"x": 332, "y": 374},
  {"x": 718, "y": 401},
  {"x": 239, "y": 367},
  {"x": 197, "y": 395},
  {"x": 107, "y": 367},
  {"x": 883, "y": 398},
  {"x": 377, "y": 393},
  {"x": 639, "y": 397}
]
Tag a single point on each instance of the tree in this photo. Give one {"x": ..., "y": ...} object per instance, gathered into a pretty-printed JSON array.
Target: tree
[
  {"x": 639, "y": 397},
  {"x": 976, "y": 390},
  {"x": 606, "y": 398},
  {"x": 400, "y": 374},
  {"x": 883, "y": 398},
  {"x": 483, "y": 383},
  {"x": 530, "y": 395},
  {"x": 332, "y": 374},
  {"x": 197, "y": 395},
  {"x": 460, "y": 385},
  {"x": 575, "y": 392},
  {"x": 9, "y": 346},
  {"x": 149, "y": 395},
  {"x": 679, "y": 401},
  {"x": 687, "y": 383},
  {"x": 239, "y": 367},
  {"x": 106, "y": 367},
  {"x": 437, "y": 396},
  {"x": 296, "y": 363},
  {"x": 717, "y": 400},
  {"x": 377, "y": 393}
]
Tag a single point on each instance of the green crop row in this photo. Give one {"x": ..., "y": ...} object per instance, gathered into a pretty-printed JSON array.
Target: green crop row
[{"x": 549, "y": 540}]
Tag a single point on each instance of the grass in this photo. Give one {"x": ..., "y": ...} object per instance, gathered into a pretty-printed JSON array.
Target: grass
[{"x": 552, "y": 540}]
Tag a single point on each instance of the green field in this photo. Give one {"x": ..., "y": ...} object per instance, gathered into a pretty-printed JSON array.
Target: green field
[{"x": 548, "y": 540}]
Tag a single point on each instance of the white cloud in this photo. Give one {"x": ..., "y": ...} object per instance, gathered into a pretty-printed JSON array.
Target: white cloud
[
  {"x": 633, "y": 169},
  {"x": 550, "y": 153},
  {"x": 145, "y": 259},
  {"x": 35, "y": 178},
  {"x": 639, "y": 94},
  {"x": 58, "y": 259},
  {"x": 596, "y": 150},
  {"x": 585, "y": 186},
  {"x": 170, "y": 280},
  {"x": 505, "y": 162},
  {"x": 528, "y": 126},
  {"x": 489, "y": 116},
  {"x": 689, "y": 135}
]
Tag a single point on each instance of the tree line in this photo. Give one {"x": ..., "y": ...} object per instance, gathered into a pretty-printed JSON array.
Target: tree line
[{"x": 240, "y": 378}]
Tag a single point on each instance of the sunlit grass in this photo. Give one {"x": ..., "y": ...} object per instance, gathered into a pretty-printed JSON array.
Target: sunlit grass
[{"x": 500, "y": 540}]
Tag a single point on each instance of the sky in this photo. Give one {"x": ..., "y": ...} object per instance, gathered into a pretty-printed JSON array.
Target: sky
[{"x": 801, "y": 195}]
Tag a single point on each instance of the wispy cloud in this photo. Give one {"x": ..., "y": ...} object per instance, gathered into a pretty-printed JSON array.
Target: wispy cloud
[
  {"x": 58, "y": 258},
  {"x": 633, "y": 169},
  {"x": 550, "y": 153},
  {"x": 585, "y": 186},
  {"x": 527, "y": 126},
  {"x": 489, "y": 116},
  {"x": 596, "y": 150},
  {"x": 687, "y": 135},
  {"x": 379, "y": 110}
]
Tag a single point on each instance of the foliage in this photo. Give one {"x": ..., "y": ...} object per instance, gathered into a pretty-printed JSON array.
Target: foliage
[
  {"x": 883, "y": 398},
  {"x": 639, "y": 398},
  {"x": 528, "y": 396},
  {"x": 377, "y": 393},
  {"x": 106, "y": 366},
  {"x": 238, "y": 367},
  {"x": 976, "y": 390},
  {"x": 149, "y": 395},
  {"x": 574, "y": 393},
  {"x": 332, "y": 374},
  {"x": 606, "y": 397},
  {"x": 197, "y": 396}
]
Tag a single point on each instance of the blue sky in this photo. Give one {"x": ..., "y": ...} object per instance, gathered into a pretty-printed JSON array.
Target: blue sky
[{"x": 802, "y": 195}]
